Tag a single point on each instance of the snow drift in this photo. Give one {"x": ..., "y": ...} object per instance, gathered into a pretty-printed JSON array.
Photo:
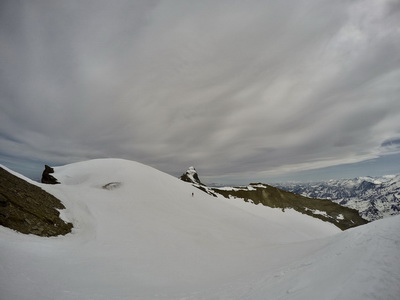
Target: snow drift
[{"x": 139, "y": 234}]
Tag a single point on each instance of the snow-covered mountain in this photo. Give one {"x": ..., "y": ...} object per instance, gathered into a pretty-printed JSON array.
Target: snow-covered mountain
[
  {"x": 374, "y": 198},
  {"x": 140, "y": 234}
]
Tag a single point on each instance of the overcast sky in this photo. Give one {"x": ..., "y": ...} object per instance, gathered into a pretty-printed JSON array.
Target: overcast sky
[{"x": 242, "y": 90}]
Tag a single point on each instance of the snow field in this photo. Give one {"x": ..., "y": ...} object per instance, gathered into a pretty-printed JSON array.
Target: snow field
[{"x": 148, "y": 238}]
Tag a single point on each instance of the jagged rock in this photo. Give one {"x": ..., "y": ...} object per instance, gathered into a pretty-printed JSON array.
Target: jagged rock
[
  {"x": 191, "y": 176},
  {"x": 47, "y": 178}
]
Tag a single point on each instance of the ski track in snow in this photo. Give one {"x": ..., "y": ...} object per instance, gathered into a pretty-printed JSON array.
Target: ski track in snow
[{"x": 148, "y": 238}]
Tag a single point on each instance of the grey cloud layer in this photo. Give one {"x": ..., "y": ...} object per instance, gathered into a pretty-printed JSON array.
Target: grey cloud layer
[{"x": 231, "y": 86}]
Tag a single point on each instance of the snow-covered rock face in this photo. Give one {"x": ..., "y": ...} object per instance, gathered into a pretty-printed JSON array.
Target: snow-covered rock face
[
  {"x": 136, "y": 238},
  {"x": 374, "y": 198},
  {"x": 191, "y": 176}
]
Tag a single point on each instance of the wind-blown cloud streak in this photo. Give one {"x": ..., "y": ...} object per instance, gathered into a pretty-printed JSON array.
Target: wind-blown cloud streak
[{"x": 237, "y": 88}]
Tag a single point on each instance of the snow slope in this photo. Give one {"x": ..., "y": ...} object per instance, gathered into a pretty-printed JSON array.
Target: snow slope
[{"x": 139, "y": 234}]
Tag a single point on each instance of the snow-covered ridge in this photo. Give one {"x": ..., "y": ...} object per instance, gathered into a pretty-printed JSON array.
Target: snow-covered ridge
[
  {"x": 250, "y": 187},
  {"x": 149, "y": 238}
]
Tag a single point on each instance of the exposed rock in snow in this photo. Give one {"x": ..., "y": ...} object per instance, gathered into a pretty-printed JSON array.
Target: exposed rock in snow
[
  {"x": 111, "y": 185},
  {"x": 191, "y": 176},
  {"x": 47, "y": 177}
]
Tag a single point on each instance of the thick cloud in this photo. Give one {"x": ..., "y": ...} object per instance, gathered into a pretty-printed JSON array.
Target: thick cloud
[{"x": 237, "y": 88}]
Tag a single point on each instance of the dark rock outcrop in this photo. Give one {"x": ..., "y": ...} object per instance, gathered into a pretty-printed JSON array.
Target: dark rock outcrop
[
  {"x": 47, "y": 178},
  {"x": 28, "y": 209}
]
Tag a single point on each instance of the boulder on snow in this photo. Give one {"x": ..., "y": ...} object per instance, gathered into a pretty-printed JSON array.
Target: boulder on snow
[
  {"x": 46, "y": 177},
  {"x": 28, "y": 209}
]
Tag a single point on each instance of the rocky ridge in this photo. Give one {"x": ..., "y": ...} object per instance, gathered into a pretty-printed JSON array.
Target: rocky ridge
[
  {"x": 259, "y": 193},
  {"x": 192, "y": 177}
]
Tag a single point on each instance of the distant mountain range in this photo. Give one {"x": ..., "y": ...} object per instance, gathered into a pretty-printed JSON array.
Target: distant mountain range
[{"x": 374, "y": 197}]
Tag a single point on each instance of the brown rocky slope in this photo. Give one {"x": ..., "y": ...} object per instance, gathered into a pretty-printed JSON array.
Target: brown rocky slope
[
  {"x": 28, "y": 209},
  {"x": 328, "y": 211}
]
